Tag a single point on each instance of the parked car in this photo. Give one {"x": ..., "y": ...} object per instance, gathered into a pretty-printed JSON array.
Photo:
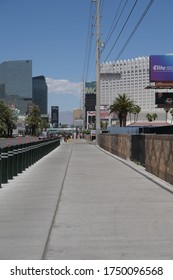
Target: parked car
[{"x": 42, "y": 136}]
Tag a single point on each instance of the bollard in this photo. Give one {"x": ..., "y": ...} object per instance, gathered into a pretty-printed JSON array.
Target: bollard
[
  {"x": 42, "y": 149},
  {"x": 19, "y": 159},
  {"x": 30, "y": 154},
  {"x": 34, "y": 152},
  {"x": 4, "y": 162},
  {"x": 27, "y": 155},
  {"x": 0, "y": 169},
  {"x": 10, "y": 162},
  {"x": 24, "y": 156},
  {"x": 15, "y": 160}
]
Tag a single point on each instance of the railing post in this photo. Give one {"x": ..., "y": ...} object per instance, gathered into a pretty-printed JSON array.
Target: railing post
[
  {"x": 27, "y": 155},
  {"x": 24, "y": 156},
  {"x": 4, "y": 158},
  {"x": 15, "y": 160},
  {"x": 0, "y": 169},
  {"x": 20, "y": 160},
  {"x": 10, "y": 162}
]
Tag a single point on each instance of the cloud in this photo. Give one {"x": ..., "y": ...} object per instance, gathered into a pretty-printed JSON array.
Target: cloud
[{"x": 63, "y": 87}]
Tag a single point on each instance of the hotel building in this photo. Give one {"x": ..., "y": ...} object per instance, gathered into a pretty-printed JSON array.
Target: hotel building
[{"x": 130, "y": 77}]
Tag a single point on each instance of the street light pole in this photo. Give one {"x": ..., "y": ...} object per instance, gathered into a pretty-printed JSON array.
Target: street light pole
[{"x": 98, "y": 74}]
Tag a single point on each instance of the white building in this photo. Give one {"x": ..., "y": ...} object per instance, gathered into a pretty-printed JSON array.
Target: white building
[{"x": 133, "y": 78}]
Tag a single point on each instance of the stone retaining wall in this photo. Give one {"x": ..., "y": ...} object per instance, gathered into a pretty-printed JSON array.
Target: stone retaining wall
[
  {"x": 158, "y": 152},
  {"x": 118, "y": 144},
  {"x": 159, "y": 156}
]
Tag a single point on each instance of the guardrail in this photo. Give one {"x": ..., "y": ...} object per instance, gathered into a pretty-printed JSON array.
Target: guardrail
[{"x": 15, "y": 159}]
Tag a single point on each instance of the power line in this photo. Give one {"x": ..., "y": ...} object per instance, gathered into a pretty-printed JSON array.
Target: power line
[
  {"x": 89, "y": 42},
  {"x": 101, "y": 6},
  {"x": 114, "y": 24},
  {"x": 121, "y": 30},
  {"x": 136, "y": 27}
]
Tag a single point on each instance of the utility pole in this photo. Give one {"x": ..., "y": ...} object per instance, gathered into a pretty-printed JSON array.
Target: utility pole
[{"x": 98, "y": 72}]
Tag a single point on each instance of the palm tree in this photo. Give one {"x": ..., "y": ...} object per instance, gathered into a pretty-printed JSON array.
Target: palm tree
[
  {"x": 34, "y": 119},
  {"x": 171, "y": 112},
  {"x": 130, "y": 113},
  {"x": 154, "y": 116},
  {"x": 149, "y": 117},
  {"x": 122, "y": 105},
  {"x": 166, "y": 111},
  {"x": 136, "y": 111}
]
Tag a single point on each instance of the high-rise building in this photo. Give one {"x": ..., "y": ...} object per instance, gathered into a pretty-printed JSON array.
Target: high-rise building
[
  {"x": 55, "y": 115},
  {"x": 77, "y": 117},
  {"x": 89, "y": 98},
  {"x": 90, "y": 103},
  {"x": 77, "y": 114},
  {"x": 39, "y": 93},
  {"x": 133, "y": 79},
  {"x": 16, "y": 83}
]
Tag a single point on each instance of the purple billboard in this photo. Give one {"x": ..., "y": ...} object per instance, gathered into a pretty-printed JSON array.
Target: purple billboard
[{"x": 161, "y": 68}]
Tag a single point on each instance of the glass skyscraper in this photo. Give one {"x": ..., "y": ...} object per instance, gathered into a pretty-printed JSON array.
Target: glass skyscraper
[
  {"x": 39, "y": 93},
  {"x": 16, "y": 83}
]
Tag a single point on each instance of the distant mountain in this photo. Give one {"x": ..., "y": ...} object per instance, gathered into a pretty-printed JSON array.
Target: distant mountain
[{"x": 66, "y": 117}]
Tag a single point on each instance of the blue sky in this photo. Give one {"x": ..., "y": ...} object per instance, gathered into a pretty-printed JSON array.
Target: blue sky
[{"x": 56, "y": 36}]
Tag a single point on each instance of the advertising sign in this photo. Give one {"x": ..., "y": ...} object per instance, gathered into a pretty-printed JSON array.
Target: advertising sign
[
  {"x": 164, "y": 99},
  {"x": 104, "y": 115},
  {"x": 90, "y": 87},
  {"x": 161, "y": 68}
]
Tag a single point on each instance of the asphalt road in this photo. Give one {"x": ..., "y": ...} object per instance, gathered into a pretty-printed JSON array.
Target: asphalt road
[{"x": 4, "y": 142}]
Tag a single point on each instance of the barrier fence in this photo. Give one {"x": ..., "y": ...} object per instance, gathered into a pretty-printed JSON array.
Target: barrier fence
[{"x": 15, "y": 159}]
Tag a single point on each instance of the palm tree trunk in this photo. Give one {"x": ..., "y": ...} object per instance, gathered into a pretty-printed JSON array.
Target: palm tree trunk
[
  {"x": 124, "y": 121},
  {"x": 120, "y": 120}
]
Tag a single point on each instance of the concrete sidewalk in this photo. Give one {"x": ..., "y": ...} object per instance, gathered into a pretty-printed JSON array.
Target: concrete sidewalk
[
  {"x": 27, "y": 206},
  {"x": 78, "y": 202}
]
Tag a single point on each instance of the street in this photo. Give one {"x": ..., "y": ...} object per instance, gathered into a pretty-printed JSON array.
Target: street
[{"x": 7, "y": 142}]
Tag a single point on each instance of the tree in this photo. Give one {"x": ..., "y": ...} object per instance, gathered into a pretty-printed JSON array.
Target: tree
[
  {"x": 166, "y": 111},
  {"x": 2, "y": 118},
  {"x": 154, "y": 116},
  {"x": 103, "y": 125},
  {"x": 171, "y": 112},
  {"x": 44, "y": 125},
  {"x": 8, "y": 119},
  {"x": 136, "y": 110},
  {"x": 122, "y": 105},
  {"x": 34, "y": 119},
  {"x": 149, "y": 117},
  {"x": 130, "y": 114}
]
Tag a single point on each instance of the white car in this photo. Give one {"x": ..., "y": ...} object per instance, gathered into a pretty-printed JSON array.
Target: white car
[{"x": 42, "y": 136}]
